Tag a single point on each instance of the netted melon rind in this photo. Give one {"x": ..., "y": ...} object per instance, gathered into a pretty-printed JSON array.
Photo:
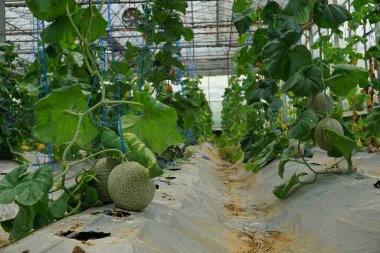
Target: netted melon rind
[
  {"x": 103, "y": 168},
  {"x": 130, "y": 187},
  {"x": 320, "y": 135}
]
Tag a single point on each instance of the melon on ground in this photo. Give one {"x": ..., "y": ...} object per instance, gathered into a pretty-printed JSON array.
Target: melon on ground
[
  {"x": 322, "y": 105},
  {"x": 320, "y": 135},
  {"x": 103, "y": 168},
  {"x": 130, "y": 186}
]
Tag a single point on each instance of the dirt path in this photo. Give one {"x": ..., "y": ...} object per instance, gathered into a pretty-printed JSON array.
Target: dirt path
[{"x": 242, "y": 211}]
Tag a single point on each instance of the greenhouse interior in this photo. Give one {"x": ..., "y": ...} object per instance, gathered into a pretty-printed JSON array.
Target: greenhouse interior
[{"x": 174, "y": 126}]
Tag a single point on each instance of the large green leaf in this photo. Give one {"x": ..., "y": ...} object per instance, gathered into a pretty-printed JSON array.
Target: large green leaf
[
  {"x": 266, "y": 155},
  {"x": 242, "y": 15},
  {"x": 54, "y": 125},
  {"x": 345, "y": 78},
  {"x": 98, "y": 24},
  {"x": 306, "y": 122},
  {"x": 305, "y": 82},
  {"x": 341, "y": 144},
  {"x": 243, "y": 20},
  {"x": 282, "y": 191},
  {"x": 270, "y": 11},
  {"x": 330, "y": 16},
  {"x": 59, "y": 30},
  {"x": 8, "y": 184},
  {"x": 283, "y": 59},
  {"x": 49, "y": 10},
  {"x": 57, "y": 209},
  {"x": 156, "y": 127},
  {"x": 260, "y": 38},
  {"x": 300, "y": 10},
  {"x": 241, "y": 5},
  {"x": 138, "y": 152},
  {"x": 373, "y": 121},
  {"x": 23, "y": 223},
  {"x": 32, "y": 187},
  {"x": 263, "y": 89}
]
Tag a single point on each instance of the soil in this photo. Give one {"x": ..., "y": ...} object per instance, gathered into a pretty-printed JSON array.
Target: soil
[
  {"x": 246, "y": 241},
  {"x": 3, "y": 243}
]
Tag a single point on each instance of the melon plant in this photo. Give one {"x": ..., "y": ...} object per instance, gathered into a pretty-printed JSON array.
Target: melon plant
[
  {"x": 103, "y": 168},
  {"x": 321, "y": 103},
  {"x": 320, "y": 135},
  {"x": 130, "y": 186}
]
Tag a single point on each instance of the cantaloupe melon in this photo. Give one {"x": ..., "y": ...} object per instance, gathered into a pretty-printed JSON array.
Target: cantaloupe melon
[
  {"x": 103, "y": 168},
  {"x": 320, "y": 135},
  {"x": 130, "y": 187},
  {"x": 322, "y": 105},
  {"x": 357, "y": 106}
]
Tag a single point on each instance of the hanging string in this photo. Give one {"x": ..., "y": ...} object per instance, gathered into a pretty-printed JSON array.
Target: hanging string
[
  {"x": 142, "y": 80},
  {"x": 179, "y": 71},
  {"x": 46, "y": 84},
  {"x": 110, "y": 29}
]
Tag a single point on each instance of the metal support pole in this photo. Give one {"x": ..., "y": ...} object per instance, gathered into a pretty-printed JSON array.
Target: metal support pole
[{"x": 2, "y": 21}]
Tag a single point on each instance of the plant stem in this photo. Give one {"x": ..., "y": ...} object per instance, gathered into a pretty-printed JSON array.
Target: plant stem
[
  {"x": 88, "y": 56},
  {"x": 95, "y": 154}
]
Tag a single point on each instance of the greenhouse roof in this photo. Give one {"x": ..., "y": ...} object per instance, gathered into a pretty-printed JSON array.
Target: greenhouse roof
[{"x": 208, "y": 54}]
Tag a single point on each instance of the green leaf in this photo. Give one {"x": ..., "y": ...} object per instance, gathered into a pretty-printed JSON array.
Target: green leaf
[
  {"x": 138, "y": 152},
  {"x": 157, "y": 127},
  {"x": 345, "y": 78},
  {"x": 330, "y": 16},
  {"x": 260, "y": 38},
  {"x": 373, "y": 51},
  {"x": 306, "y": 122},
  {"x": 188, "y": 34},
  {"x": 265, "y": 156},
  {"x": 8, "y": 184},
  {"x": 23, "y": 223},
  {"x": 263, "y": 89},
  {"x": 41, "y": 220},
  {"x": 269, "y": 12},
  {"x": 57, "y": 209},
  {"x": 300, "y": 10},
  {"x": 243, "y": 20},
  {"x": 282, "y": 191},
  {"x": 7, "y": 225},
  {"x": 274, "y": 106},
  {"x": 60, "y": 31},
  {"x": 283, "y": 59},
  {"x": 49, "y": 10},
  {"x": 109, "y": 138},
  {"x": 90, "y": 196},
  {"x": 372, "y": 121},
  {"x": 285, "y": 156},
  {"x": 98, "y": 24},
  {"x": 54, "y": 125},
  {"x": 241, "y": 5},
  {"x": 340, "y": 144},
  {"x": 305, "y": 82},
  {"x": 32, "y": 187}
]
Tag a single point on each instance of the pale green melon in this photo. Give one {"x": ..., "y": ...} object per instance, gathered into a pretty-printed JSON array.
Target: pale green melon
[
  {"x": 359, "y": 106},
  {"x": 130, "y": 186},
  {"x": 322, "y": 105},
  {"x": 103, "y": 168},
  {"x": 320, "y": 135}
]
